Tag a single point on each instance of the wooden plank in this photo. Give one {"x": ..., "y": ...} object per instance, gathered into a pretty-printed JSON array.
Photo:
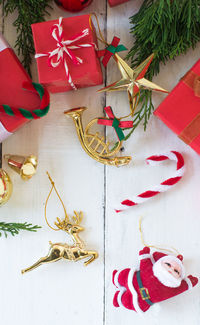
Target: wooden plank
[
  {"x": 170, "y": 219},
  {"x": 61, "y": 292},
  {"x": 1, "y": 30}
]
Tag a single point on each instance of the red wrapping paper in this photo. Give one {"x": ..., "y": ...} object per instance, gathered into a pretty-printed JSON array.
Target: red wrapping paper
[
  {"x": 113, "y": 3},
  {"x": 12, "y": 77},
  {"x": 180, "y": 111},
  {"x": 84, "y": 75}
]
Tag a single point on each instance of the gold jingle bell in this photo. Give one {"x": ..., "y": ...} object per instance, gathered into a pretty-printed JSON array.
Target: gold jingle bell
[
  {"x": 25, "y": 166},
  {"x": 5, "y": 187}
]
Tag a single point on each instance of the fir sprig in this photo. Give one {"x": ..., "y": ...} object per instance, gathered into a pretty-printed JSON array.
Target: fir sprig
[
  {"x": 166, "y": 28},
  {"x": 14, "y": 228},
  {"x": 29, "y": 12}
]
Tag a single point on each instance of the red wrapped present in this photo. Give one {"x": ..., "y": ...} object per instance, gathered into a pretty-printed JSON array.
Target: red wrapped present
[
  {"x": 180, "y": 111},
  {"x": 66, "y": 53},
  {"x": 113, "y": 3},
  {"x": 16, "y": 91}
]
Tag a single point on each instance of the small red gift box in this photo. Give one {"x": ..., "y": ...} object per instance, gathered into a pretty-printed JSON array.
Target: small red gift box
[
  {"x": 66, "y": 53},
  {"x": 12, "y": 79},
  {"x": 180, "y": 111},
  {"x": 113, "y": 3}
]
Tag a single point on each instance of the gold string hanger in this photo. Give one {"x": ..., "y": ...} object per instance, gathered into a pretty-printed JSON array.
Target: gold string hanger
[
  {"x": 171, "y": 250},
  {"x": 133, "y": 109},
  {"x": 101, "y": 39},
  {"x": 45, "y": 209}
]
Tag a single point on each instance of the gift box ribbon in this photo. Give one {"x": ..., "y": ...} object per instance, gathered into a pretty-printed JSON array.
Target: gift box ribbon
[
  {"x": 111, "y": 50},
  {"x": 192, "y": 80},
  {"x": 65, "y": 49},
  {"x": 115, "y": 123},
  {"x": 192, "y": 130}
]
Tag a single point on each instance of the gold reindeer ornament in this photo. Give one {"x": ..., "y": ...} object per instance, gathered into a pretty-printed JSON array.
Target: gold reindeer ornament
[
  {"x": 64, "y": 251},
  {"x": 94, "y": 144}
]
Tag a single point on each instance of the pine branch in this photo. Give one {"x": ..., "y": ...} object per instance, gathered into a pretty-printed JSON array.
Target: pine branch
[
  {"x": 166, "y": 28},
  {"x": 29, "y": 12},
  {"x": 14, "y": 228}
]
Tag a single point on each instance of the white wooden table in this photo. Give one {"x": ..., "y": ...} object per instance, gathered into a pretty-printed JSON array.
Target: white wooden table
[{"x": 69, "y": 293}]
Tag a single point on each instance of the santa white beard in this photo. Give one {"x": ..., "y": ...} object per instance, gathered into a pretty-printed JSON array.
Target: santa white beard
[{"x": 164, "y": 276}]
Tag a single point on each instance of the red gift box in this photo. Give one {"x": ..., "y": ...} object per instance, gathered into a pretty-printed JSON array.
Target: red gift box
[
  {"x": 12, "y": 93},
  {"x": 180, "y": 111},
  {"x": 54, "y": 71},
  {"x": 113, "y": 3}
]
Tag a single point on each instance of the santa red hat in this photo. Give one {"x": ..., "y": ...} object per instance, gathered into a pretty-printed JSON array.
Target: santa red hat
[{"x": 158, "y": 255}]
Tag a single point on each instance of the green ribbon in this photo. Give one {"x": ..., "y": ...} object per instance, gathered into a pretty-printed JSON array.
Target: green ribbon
[
  {"x": 114, "y": 49},
  {"x": 119, "y": 131}
]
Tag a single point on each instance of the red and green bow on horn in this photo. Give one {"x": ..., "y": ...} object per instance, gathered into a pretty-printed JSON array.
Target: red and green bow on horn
[{"x": 115, "y": 123}]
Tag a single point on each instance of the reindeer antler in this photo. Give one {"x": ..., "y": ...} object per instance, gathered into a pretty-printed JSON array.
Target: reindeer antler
[
  {"x": 78, "y": 217},
  {"x": 62, "y": 224}
]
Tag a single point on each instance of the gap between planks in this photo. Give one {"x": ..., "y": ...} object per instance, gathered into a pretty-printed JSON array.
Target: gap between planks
[
  {"x": 105, "y": 167},
  {"x": 105, "y": 183}
]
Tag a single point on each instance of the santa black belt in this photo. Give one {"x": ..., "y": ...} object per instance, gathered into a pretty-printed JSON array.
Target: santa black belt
[{"x": 143, "y": 291}]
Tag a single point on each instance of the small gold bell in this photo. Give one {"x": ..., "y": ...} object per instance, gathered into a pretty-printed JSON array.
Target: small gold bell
[
  {"x": 5, "y": 187},
  {"x": 25, "y": 166}
]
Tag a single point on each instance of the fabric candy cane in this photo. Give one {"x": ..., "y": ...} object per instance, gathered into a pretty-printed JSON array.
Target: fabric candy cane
[
  {"x": 65, "y": 49},
  {"x": 23, "y": 112},
  {"x": 163, "y": 187}
]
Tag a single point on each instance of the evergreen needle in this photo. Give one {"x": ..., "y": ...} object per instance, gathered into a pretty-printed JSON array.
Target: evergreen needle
[
  {"x": 14, "y": 228},
  {"x": 167, "y": 29}
]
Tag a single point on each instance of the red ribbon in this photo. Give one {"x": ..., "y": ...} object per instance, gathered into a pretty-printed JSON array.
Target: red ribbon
[
  {"x": 64, "y": 49},
  {"x": 116, "y": 123},
  {"x": 108, "y": 52}
]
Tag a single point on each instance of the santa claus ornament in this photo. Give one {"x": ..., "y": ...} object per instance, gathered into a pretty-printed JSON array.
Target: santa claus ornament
[
  {"x": 73, "y": 5},
  {"x": 159, "y": 277}
]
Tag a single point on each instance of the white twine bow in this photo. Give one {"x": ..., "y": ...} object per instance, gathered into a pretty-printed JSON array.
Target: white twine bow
[{"x": 65, "y": 49}]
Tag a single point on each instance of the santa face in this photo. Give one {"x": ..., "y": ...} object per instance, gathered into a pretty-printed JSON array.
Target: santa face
[
  {"x": 169, "y": 270},
  {"x": 172, "y": 267}
]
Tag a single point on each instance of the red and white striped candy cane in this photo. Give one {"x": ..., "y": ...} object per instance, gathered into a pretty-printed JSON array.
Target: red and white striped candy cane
[{"x": 163, "y": 187}]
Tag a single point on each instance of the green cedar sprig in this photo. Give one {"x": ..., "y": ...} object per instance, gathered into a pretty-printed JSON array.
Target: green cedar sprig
[
  {"x": 14, "y": 228},
  {"x": 166, "y": 28},
  {"x": 29, "y": 12}
]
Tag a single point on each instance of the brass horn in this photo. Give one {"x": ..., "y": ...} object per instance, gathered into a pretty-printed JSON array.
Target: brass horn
[{"x": 94, "y": 144}]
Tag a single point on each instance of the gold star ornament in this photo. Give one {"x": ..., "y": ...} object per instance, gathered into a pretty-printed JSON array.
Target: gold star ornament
[{"x": 133, "y": 80}]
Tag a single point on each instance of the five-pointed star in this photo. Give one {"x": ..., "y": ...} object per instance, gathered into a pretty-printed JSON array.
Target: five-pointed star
[{"x": 132, "y": 80}]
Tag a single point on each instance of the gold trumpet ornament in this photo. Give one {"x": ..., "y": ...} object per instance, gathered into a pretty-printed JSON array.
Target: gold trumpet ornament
[
  {"x": 94, "y": 144},
  {"x": 60, "y": 251}
]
